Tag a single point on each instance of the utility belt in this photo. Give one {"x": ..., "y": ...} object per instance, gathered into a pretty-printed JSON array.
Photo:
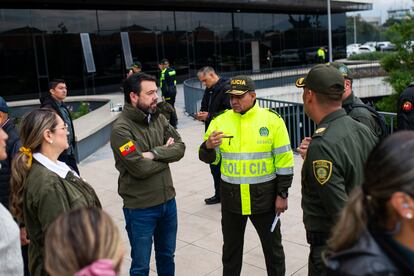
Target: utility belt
[{"x": 317, "y": 238}]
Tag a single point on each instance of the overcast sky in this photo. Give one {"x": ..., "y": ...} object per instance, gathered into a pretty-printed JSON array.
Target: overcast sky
[{"x": 380, "y": 7}]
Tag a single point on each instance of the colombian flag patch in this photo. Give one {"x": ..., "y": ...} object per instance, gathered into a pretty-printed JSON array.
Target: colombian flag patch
[{"x": 127, "y": 148}]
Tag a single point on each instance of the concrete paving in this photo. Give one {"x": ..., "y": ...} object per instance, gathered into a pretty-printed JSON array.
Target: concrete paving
[{"x": 199, "y": 238}]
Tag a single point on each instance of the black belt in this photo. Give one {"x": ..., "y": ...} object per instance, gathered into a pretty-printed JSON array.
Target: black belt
[{"x": 317, "y": 238}]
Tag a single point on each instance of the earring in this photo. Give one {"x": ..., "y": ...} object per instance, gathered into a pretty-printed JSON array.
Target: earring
[
  {"x": 409, "y": 216},
  {"x": 51, "y": 141}
]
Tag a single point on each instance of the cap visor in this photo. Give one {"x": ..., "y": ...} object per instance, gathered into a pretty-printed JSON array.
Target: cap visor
[
  {"x": 300, "y": 82},
  {"x": 236, "y": 92}
]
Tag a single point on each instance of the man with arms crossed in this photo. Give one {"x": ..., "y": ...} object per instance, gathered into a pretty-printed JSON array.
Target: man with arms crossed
[{"x": 144, "y": 143}]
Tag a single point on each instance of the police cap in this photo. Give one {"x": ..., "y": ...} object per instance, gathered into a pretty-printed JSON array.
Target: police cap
[
  {"x": 240, "y": 85},
  {"x": 136, "y": 64},
  {"x": 346, "y": 73},
  {"x": 323, "y": 79}
]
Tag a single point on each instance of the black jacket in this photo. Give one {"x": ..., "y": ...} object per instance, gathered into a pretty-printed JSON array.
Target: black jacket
[
  {"x": 215, "y": 99},
  {"x": 49, "y": 102},
  {"x": 405, "y": 109},
  {"x": 373, "y": 254},
  {"x": 12, "y": 147}
]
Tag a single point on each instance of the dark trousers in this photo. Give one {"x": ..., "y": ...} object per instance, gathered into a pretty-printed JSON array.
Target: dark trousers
[
  {"x": 316, "y": 267},
  {"x": 70, "y": 160},
  {"x": 158, "y": 225},
  {"x": 169, "y": 94},
  {"x": 215, "y": 172},
  {"x": 233, "y": 227}
]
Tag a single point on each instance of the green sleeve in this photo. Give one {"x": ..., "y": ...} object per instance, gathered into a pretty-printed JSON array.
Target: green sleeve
[
  {"x": 136, "y": 165},
  {"x": 171, "y": 153},
  {"x": 51, "y": 202},
  {"x": 331, "y": 189}
]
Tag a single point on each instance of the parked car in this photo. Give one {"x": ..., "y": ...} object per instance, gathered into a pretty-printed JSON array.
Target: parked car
[
  {"x": 363, "y": 49},
  {"x": 288, "y": 56},
  {"x": 351, "y": 49},
  {"x": 382, "y": 44},
  {"x": 371, "y": 44}
]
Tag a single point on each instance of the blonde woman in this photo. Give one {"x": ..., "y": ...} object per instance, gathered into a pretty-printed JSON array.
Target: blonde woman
[
  {"x": 43, "y": 187},
  {"x": 83, "y": 242},
  {"x": 375, "y": 232}
]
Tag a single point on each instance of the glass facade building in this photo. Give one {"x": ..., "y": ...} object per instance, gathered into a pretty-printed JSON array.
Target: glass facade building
[{"x": 37, "y": 45}]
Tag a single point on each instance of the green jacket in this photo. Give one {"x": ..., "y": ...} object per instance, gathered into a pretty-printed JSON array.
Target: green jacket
[
  {"x": 361, "y": 114},
  {"x": 45, "y": 197},
  {"x": 142, "y": 182},
  {"x": 332, "y": 168}
]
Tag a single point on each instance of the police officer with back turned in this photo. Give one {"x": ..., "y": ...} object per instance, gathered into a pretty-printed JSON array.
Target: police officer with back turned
[{"x": 334, "y": 161}]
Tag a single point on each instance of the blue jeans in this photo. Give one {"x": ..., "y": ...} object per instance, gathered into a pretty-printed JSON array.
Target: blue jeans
[{"x": 142, "y": 225}]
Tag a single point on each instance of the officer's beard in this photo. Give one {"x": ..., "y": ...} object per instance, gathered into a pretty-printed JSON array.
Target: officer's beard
[{"x": 148, "y": 109}]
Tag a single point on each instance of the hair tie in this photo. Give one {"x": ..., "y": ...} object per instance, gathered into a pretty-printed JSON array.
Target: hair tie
[
  {"x": 101, "y": 267},
  {"x": 28, "y": 153}
]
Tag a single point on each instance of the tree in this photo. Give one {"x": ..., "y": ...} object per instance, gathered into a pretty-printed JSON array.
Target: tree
[
  {"x": 365, "y": 31},
  {"x": 400, "y": 64}
]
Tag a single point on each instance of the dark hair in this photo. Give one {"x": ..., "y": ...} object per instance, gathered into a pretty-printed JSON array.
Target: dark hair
[
  {"x": 133, "y": 84},
  {"x": 55, "y": 82},
  {"x": 328, "y": 98},
  {"x": 389, "y": 169},
  {"x": 164, "y": 61}
]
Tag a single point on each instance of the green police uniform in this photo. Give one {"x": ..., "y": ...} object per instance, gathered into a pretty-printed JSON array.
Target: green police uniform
[
  {"x": 332, "y": 168},
  {"x": 355, "y": 108}
]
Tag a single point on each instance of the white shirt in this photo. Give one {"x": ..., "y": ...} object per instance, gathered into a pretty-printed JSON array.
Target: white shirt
[{"x": 60, "y": 168}]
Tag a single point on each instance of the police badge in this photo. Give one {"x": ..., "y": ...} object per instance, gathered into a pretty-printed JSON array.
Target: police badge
[{"x": 322, "y": 170}]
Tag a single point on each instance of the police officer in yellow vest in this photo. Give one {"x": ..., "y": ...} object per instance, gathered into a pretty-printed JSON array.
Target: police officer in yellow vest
[
  {"x": 256, "y": 173},
  {"x": 321, "y": 55},
  {"x": 168, "y": 82}
]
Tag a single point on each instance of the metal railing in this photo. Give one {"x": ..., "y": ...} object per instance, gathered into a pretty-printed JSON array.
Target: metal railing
[
  {"x": 299, "y": 125},
  {"x": 270, "y": 77}
]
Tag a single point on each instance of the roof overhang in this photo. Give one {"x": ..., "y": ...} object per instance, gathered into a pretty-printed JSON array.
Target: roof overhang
[{"x": 266, "y": 6}]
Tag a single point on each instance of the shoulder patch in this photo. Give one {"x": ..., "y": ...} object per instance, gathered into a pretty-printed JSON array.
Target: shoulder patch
[
  {"x": 320, "y": 131},
  {"x": 274, "y": 111},
  {"x": 407, "y": 106},
  {"x": 322, "y": 170},
  {"x": 127, "y": 148}
]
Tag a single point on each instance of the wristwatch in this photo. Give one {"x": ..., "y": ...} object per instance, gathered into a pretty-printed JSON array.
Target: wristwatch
[{"x": 283, "y": 194}]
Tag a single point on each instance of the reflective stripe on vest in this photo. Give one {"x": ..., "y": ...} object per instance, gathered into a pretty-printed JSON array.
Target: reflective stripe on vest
[
  {"x": 281, "y": 149},
  {"x": 246, "y": 156},
  {"x": 284, "y": 171},
  {"x": 250, "y": 180},
  {"x": 245, "y": 199},
  {"x": 162, "y": 77}
]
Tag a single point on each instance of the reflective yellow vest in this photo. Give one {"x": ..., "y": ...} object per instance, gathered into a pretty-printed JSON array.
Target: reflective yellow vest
[
  {"x": 258, "y": 151},
  {"x": 170, "y": 73},
  {"x": 321, "y": 53}
]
